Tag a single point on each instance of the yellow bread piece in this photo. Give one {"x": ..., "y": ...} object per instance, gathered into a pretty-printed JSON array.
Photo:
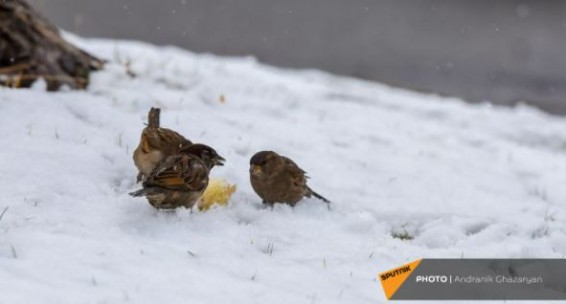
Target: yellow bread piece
[{"x": 218, "y": 192}]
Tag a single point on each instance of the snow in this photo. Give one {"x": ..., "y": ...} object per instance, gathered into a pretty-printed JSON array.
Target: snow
[{"x": 462, "y": 180}]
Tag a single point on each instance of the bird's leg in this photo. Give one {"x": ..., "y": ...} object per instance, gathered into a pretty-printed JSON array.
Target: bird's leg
[{"x": 268, "y": 204}]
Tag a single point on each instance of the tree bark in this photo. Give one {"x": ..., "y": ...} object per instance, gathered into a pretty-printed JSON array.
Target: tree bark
[{"x": 32, "y": 48}]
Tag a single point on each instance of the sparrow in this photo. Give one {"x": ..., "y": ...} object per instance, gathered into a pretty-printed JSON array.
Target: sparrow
[
  {"x": 156, "y": 144},
  {"x": 277, "y": 179},
  {"x": 180, "y": 180}
]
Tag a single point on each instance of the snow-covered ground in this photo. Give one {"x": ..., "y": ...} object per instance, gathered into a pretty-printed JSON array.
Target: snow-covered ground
[{"x": 461, "y": 180}]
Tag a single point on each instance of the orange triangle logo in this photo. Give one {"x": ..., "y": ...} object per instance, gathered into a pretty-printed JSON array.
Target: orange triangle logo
[{"x": 392, "y": 279}]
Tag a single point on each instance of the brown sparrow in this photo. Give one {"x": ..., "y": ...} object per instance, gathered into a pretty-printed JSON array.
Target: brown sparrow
[
  {"x": 180, "y": 180},
  {"x": 156, "y": 144},
  {"x": 277, "y": 179}
]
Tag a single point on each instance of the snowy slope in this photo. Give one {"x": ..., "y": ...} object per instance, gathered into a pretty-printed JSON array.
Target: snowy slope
[{"x": 463, "y": 180}]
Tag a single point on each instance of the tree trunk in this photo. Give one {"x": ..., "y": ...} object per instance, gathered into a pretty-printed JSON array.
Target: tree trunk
[{"x": 32, "y": 48}]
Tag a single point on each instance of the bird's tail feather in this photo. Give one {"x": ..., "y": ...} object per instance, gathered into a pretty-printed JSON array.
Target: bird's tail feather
[
  {"x": 153, "y": 118},
  {"x": 140, "y": 192},
  {"x": 320, "y": 197}
]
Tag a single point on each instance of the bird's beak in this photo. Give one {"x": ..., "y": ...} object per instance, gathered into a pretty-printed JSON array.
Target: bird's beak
[
  {"x": 219, "y": 161},
  {"x": 255, "y": 170}
]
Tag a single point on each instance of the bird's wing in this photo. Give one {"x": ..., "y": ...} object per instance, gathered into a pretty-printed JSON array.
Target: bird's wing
[
  {"x": 170, "y": 136},
  {"x": 164, "y": 139},
  {"x": 299, "y": 175},
  {"x": 196, "y": 177},
  {"x": 179, "y": 172}
]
